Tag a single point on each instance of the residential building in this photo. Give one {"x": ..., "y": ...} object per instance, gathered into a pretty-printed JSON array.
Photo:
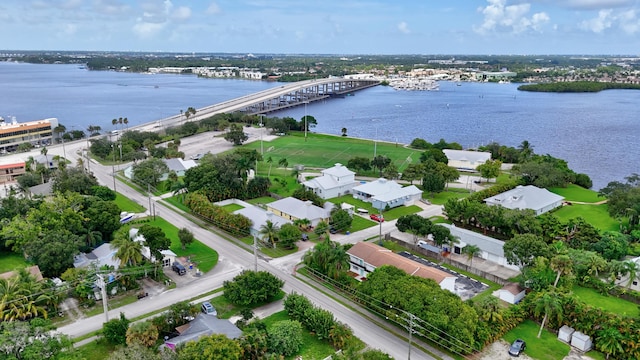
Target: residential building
[
  {"x": 527, "y": 197},
  {"x": 10, "y": 172},
  {"x": 365, "y": 257},
  {"x": 626, "y": 281},
  {"x": 168, "y": 256},
  {"x": 103, "y": 255},
  {"x": 256, "y": 214},
  {"x": 203, "y": 325},
  {"x": 382, "y": 193},
  {"x": 465, "y": 160},
  {"x": 490, "y": 249},
  {"x": 32, "y": 270},
  {"x": 293, "y": 209},
  {"x": 175, "y": 164},
  {"x": 511, "y": 293},
  {"x": 335, "y": 181},
  {"x": 36, "y": 133}
]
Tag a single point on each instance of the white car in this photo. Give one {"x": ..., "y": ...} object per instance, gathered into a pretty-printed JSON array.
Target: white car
[{"x": 208, "y": 309}]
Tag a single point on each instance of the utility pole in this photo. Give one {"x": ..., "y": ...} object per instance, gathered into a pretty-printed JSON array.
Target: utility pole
[
  {"x": 410, "y": 334},
  {"x": 103, "y": 292},
  {"x": 255, "y": 253},
  {"x": 149, "y": 195}
]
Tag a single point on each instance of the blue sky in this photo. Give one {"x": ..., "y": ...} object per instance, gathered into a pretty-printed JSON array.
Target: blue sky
[{"x": 325, "y": 26}]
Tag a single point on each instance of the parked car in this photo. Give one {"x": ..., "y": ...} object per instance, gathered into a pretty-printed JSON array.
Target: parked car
[
  {"x": 333, "y": 230},
  {"x": 517, "y": 347},
  {"x": 305, "y": 237},
  {"x": 376, "y": 217},
  {"x": 178, "y": 268},
  {"x": 208, "y": 309}
]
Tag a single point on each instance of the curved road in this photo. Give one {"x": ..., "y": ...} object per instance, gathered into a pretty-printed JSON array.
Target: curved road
[{"x": 232, "y": 260}]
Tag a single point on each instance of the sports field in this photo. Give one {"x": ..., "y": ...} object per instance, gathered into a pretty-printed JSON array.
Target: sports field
[{"x": 323, "y": 151}]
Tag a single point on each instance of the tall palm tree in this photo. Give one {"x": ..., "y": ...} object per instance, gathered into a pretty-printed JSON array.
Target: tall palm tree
[
  {"x": 270, "y": 162},
  {"x": 549, "y": 304},
  {"x": 125, "y": 121},
  {"x": 561, "y": 264},
  {"x": 609, "y": 341},
  {"x": 631, "y": 268},
  {"x": 471, "y": 251},
  {"x": 128, "y": 251},
  {"x": 283, "y": 162},
  {"x": 269, "y": 232}
]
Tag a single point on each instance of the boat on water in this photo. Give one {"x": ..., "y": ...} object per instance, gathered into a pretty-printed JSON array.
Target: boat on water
[{"x": 412, "y": 84}]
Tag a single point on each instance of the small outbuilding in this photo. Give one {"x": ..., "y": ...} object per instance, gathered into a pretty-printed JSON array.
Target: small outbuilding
[
  {"x": 565, "y": 333},
  {"x": 581, "y": 341},
  {"x": 511, "y": 293}
]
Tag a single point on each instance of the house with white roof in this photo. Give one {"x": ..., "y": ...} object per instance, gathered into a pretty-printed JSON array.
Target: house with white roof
[
  {"x": 382, "y": 193},
  {"x": 365, "y": 257},
  {"x": 256, "y": 214},
  {"x": 511, "y": 293},
  {"x": 527, "y": 197},
  {"x": 293, "y": 209},
  {"x": 168, "y": 256},
  {"x": 103, "y": 255},
  {"x": 335, "y": 181},
  {"x": 203, "y": 325},
  {"x": 466, "y": 160},
  {"x": 175, "y": 164},
  {"x": 490, "y": 249}
]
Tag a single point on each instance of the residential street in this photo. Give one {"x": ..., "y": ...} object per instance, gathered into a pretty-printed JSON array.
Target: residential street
[{"x": 232, "y": 260}]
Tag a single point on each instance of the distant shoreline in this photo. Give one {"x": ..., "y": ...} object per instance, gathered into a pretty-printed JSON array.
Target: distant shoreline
[{"x": 577, "y": 87}]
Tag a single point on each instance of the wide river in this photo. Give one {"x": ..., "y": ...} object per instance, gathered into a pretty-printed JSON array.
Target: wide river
[{"x": 597, "y": 133}]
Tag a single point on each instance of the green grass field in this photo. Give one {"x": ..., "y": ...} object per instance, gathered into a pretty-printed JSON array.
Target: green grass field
[
  {"x": 609, "y": 303},
  {"x": 323, "y": 151},
  {"x": 10, "y": 261},
  {"x": 391, "y": 214},
  {"x": 128, "y": 205},
  {"x": 577, "y": 193},
  {"x": 312, "y": 347},
  {"x": 547, "y": 347},
  {"x": 232, "y": 207},
  {"x": 205, "y": 257},
  {"x": 453, "y": 193},
  {"x": 596, "y": 215}
]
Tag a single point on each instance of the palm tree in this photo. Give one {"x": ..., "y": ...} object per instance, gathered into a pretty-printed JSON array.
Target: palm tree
[
  {"x": 283, "y": 162},
  {"x": 609, "y": 341},
  {"x": 471, "y": 251},
  {"x": 128, "y": 251},
  {"x": 526, "y": 150},
  {"x": 549, "y": 304},
  {"x": 344, "y": 131},
  {"x": 631, "y": 268},
  {"x": 125, "y": 121},
  {"x": 562, "y": 264},
  {"x": 270, "y": 162},
  {"x": 269, "y": 232}
]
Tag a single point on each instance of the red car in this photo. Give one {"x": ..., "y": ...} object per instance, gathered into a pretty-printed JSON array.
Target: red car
[{"x": 376, "y": 217}]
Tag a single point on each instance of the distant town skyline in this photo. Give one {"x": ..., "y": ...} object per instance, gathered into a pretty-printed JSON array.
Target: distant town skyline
[{"x": 511, "y": 27}]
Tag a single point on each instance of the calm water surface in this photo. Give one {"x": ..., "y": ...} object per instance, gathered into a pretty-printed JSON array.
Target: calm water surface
[{"x": 598, "y": 134}]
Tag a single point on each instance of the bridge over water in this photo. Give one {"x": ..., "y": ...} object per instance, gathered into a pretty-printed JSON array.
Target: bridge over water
[{"x": 285, "y": 96}]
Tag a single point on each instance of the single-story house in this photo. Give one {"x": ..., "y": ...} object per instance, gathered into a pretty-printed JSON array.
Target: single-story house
[
  {"x": 46, "y": 161},
  {"x": 365, "y": 257},
  {"x": 382, "y": 193},
  {"x": 257, "y": 215},
  {"x": 293, "y": 209},
  {"x": 335, "y": 181},
  {"x": 466, "y": 160},
  {"x": 490, "y": 249},
  {"x": 203, "y": 325},
  {"x": 44, "y": 189},
  {"x": 176, "y": 164},
  {"x": 168, "y": 256},
  {"x": 100, "y": 256},
  {"x": 511, "y": 293},
  {"x": 527, "y": 197},
  {"x": 33, "y": 270}
]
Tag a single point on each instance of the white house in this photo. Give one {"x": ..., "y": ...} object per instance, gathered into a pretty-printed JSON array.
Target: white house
[
  {"x": 466, "y": 160},
  {"x": 511, "y": 293},
  {"x": 293, "y": 209},
  {"x": 168, "y": 256},
  {"x": 490, "y": 249},
  {"x": 383, "y": 192},
  {"x": 176, "y": 164},
  {"x": 335, "y": 181},
  {"x": 365, "y": 257},
  {"x": 257, "y": 215},
  {"x": 527, "y": 197},
  {"x": 103, "y": 255}
]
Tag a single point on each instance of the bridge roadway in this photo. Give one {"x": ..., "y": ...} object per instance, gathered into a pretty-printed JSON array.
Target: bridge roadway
[{"x": 281, "y": 97}]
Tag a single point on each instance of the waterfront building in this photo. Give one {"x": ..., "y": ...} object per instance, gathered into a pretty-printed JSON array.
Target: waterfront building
[
  {"x": 527, "y": 197},
  {"x": 465, "y": 160},
  {"x": 37, "y": 133}
]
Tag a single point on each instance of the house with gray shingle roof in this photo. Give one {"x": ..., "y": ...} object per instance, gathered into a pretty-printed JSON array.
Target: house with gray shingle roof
[
  {"x": 103, "y": 255},
  {"x": 293, "y": 209},
  {"x": 335, "y": 181},
  {"x": 490, "y": 249},
  {"x": 466, "y": 160},
  {"x": 527, "y": 197},
  {"x": 382, "y": 193},
  {"x": 256, "y": 214},
  {"x": 203, "y": 325}
]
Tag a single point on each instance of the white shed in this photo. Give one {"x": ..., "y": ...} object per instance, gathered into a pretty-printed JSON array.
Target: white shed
[
  {"x": 581, "y": 341},
  {"x": 565, "y": 333},
  {"x": 511, "y": 293}
]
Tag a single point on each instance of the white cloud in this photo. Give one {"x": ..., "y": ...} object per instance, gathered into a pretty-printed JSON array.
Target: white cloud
[
  {"x": 629, "y": 21},
  {"x": 498, "y": 16},
  {"x": 213, "y": 9},
  {"x": 600, "y": 23},
  {"x": 626, "y": 20},
  {"x": 596, "y": 4},
  {"x": 181, "y": 14},
  {"x": 147, "y": 30},
  {"x": 404, "y": 28}
]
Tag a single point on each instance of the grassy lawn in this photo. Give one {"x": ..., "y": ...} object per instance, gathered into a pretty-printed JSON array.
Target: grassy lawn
[
  {"x": 576, "y": 193},
  {"x": 232, "y": 207},
  {"x": 226, "y": 309},
  {"x": 453, "y": 193},
  {"x": 283, "y": 185},
  {"x": 596, "y": 215},
  {"x": 323, "y": 151},
  {"x": 547, "y": 347},
  {"x": 128, "y": 205},
  {"x": 201, "y": 254},
  {"x": 392, "y": 214},
  {"x": 261, "y": 200},
  {"x": 312, "y": 348},
  {"x": 177, "y": 202},
  {"x": 96, "y": 350},
  {"x": 360, "y": 223},
  {"x": 609, "y": 303},
  {"x": 10, "y": 261},
  {"x": 273, "y": 253}
]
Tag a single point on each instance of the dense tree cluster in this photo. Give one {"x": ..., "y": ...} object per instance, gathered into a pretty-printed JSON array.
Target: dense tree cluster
[
  {"x": 251, "y": 287},
  {"x": 200, "y": 204},
  {"x": 624, "y": 201}
]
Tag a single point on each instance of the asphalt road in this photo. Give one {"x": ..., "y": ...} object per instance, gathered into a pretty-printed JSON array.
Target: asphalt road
[{"x": 232, "y": 260}]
